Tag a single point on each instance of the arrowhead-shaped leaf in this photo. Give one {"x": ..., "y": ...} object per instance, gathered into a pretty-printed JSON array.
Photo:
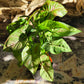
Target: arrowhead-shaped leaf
[
  {"x": 46, "y": 71},
  {"x": 58, "y": 29},
  {"x": 17, "y": 39},
  {"x": 31, "y": 58},
  {"x": 49, "y": 11},
  {"x": 56, "y": 8},
  {"x": 57, "y": 46}
]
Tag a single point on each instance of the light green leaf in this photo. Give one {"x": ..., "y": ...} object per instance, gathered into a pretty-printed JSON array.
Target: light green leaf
[
  {"x": 56, "y": 8},
  {"x": 47, "y": 25},
  {"x": 58, "y": 29},
  {"x": 31, "y": 58},
  {"x": 48, "y": 36},
  {"x": 46, "y": 46},
  {"x": 17, "y": 39},
  {"x": 56, "y": 47},
  {"x": 46, "y": 71},
  {"x": 63, "y": 29},
  {"x": 27, "y": 59},
  {"x": 49, "y": 11},
  {"x": 59, "y": 46}
]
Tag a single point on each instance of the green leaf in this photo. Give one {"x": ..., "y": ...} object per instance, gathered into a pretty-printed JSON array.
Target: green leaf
[
  {"x": 63, "y": 29},
  {"x": 17, "y": 39},
  {"x": 59, "y": 46},
  {"x": 49, "y": 25},
  {"x": 56, "y": 47},
  {"x": 44, "y": 25},
  {"x": 49, "y": 11},
  {"x": 58, "y": 29},
  {"x": 13, "y": 26},
  {"x": 31, "y": 57},
  {"x": 27, "y": 59},
  {"x": 52, "y": 24},
  {"x": 40, "y": 15},
  {"x": 46, "y": 71},
  {"x": 46, "y": 46},
  {"x": 56, "y": 8},
  {"x": 48, "y": 36}
]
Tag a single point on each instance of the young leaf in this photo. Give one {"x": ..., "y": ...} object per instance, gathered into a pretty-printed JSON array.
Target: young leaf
[
  {"x": 53, "y": 24},
  {"x": 17, "y": 39},
  {"x": 46, "y": 71},
  {"x": 41, "y": 14},
  {"x": 49, "y": 25},
  {"x": 58, "y": 29},
  {"x": 31, "y": 58},
  {"x": 46, "y": 25}
]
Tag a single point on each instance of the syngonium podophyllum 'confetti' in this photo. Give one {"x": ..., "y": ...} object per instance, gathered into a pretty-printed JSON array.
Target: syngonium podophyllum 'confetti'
[{"x": 31, "y": 44}]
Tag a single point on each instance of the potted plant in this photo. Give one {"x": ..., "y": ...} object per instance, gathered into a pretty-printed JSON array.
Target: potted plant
[{"x": 31, "y": 43}]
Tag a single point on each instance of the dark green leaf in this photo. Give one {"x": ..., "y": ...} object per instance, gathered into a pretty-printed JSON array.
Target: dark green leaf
[
  {"x": 40, "y": 15},
  {"x": 17, "y": 55},
  {"x": 15, "y": 25}
]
